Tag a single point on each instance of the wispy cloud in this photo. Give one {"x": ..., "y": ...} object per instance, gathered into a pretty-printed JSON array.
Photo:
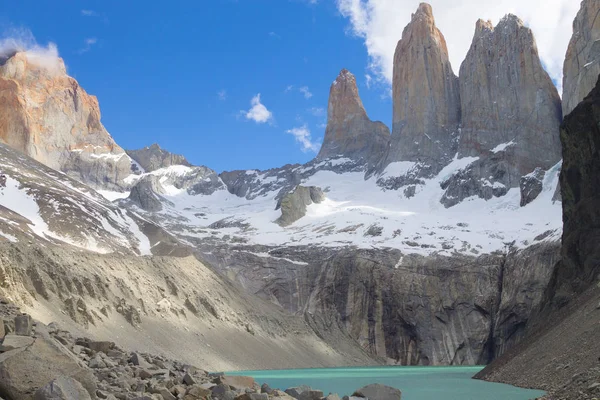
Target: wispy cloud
[
  {"x": 258, "y": 112},
  {"x": 222, "y": 95},
  {"x": 304, "y": 90},
  {"x": 87, "y": 45},
  {"x": 21, "y": 39},
  {"x": 274, "y": 35},
  {"x": 89, "y": 13},
  {"x": 317, "y": 111},
  {"x": 303, "y": 137}
]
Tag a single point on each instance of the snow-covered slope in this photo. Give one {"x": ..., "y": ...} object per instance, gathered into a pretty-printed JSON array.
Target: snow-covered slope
[
  {"x": 358, "y": 211},
  {"x": 40, "y": 204}
]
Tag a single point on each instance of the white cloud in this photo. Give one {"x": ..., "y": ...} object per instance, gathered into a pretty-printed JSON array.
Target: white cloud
[
  {"x": 306, "y": 92},
  {"x": 317, "y": 111},
  {"x": 288, "y": 88},
  {"x": 89, "y": 13},
  {"x": 302, "y": 136},
  {"x": 380, "y": 24},
  {"x": 88, "y": 43},
  {"x": 17, "y": 40},
  {"x": 258, "y": 112},
  {"x": 222, "y": 95}
]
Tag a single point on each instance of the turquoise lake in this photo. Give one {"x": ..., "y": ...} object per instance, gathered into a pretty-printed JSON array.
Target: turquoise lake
[{"x": 416, "y": 383}]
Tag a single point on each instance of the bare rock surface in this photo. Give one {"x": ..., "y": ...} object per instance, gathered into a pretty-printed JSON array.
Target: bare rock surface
[
  {"x": 426, "y": 96},
  {"x": 49, "y": 117},
  {"x": 154, "y": 157},
  {"x": 350, "y": 133},
  {"x": 582, "y": 62},
  {"x": 293, "y": 205}
]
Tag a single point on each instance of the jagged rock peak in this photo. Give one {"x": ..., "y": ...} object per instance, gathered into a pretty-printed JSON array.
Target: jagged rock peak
[
  {"x": 426, "y": 110},
  {"x": 350, "y": 133},
  {"x": 508, "y": 97},
  {"x": 45, "y": 114},
  {"x": 582, "y": 62},
  {"x": 153, "y": 157}
]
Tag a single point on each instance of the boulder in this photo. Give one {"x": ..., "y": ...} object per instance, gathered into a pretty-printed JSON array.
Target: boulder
[
  {"x": 12, "y": 342},
  {"x": 23, "y": 371},
  {"x": 23, "y": 325},
  {"x": 236, "y": 382},
  {"x": 311, "y": 395},
  {"x": 378, "y": 391},
  {"x": 62, "y": 388},
  {"x": 296, "y": 391}
]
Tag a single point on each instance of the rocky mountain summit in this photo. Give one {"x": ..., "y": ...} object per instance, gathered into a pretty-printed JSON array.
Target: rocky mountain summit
[
  {"x": 153, "y": 157},
  {"x": 350, "y": 133},
  {"x": 49, "y": 117},
  {"x": 426, "y": 110}
]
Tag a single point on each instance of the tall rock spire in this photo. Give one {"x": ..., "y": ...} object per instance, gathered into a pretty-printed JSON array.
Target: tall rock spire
[
  {"x": 508, "y": 98},
  {"x": 426, "y": 110},
  {"x": 582, "y": 62},
  {"x": 350, "y": 133}
]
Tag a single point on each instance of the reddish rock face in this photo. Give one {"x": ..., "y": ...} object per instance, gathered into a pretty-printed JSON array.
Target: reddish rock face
[
  {"x": 582, "y": 63},
  {"x": 350, "y": 133},
  {"x": 49, "y": 117},
  {"x": 426, "y": 111}
]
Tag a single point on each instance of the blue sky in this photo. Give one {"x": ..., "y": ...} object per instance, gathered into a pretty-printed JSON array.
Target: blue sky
[{"x": 183, "y": 73}]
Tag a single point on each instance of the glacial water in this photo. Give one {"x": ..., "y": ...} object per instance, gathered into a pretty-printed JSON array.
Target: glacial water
[{"x": 416, "y": 383}]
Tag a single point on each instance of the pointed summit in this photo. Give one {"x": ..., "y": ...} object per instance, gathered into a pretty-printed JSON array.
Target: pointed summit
[
  {"x": 350, "y": 133},
  {"x": 154, "y": 157},
  {"x": 426, "y": 111},
  {"x": 508, "y": 97},
  {"x": 582, "y": 62}
]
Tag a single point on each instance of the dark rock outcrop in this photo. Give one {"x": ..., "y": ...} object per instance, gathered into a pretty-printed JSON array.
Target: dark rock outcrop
[
  {"x": 146, "y": 193},
  {"x": 378, "y": 391},
  {"x": 425, "y": 95},
  {"x": 293, "y": 205},
  {"x": 531, "y": 186},
  {"x": 153, "y": 158}
]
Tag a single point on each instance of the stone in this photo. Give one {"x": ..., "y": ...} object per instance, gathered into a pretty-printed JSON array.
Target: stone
[
  {"x": 253, "y": 396},
  {"x": 97, "y": 362},
  {"x": 379, "y": 392},
  {"x": 2, "y": 330},
  {"x": 222, "y": 392},
  {"x": 198, "y": 391},
  {"x": 189, "y": 379},
  {"x": 23, "y": 325},
  {"x": 582, "y": 61},
  {"x": 23, "y": 371},
  {"x": 39, "y": 99},
  {"x": 293, "y": 205},
  {"x": 165, "y": 393},
  {"x": 296, "y": 391},
  {"x": 349, "y": 132},
  {"x": 237, "y": 382},
  {"x": 104, "y": 347},
  {"x": 311, "y": 395},
  {"x": 12, "y": 342},
  {"x": 265, "y": 388},
  {"x": 62, "y": 388},
  {"x": 139, "y": 360},
  {"x": 426, "y": 99},
  {"x": 153, "y": 157},
  {"x": 332, "y": 396},
  {"x": 531, "y": 186}
]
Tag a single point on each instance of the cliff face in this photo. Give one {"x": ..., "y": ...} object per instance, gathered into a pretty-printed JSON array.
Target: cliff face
[
  {"x": 426, "y": 110},
  {"x": 582, "y": 63},
  {"x": 48, "y": 116},
  {"x": 511, "y": 113},
  {"x": 508, "y": 97},
  {"x": 350, "y": 133}
]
